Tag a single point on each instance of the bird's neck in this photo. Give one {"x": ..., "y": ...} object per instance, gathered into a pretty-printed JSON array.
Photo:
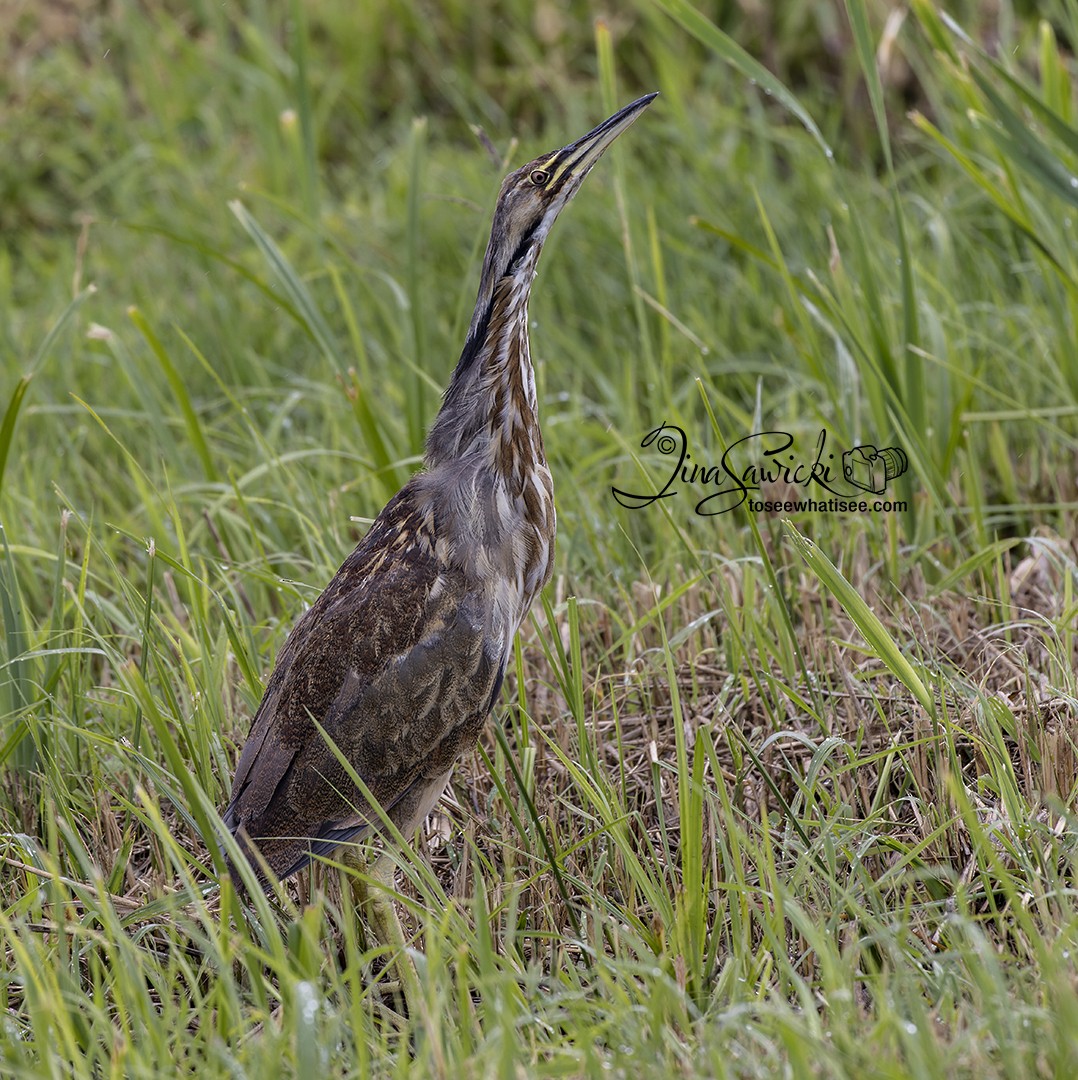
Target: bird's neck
[
  {"x": 486, "y": 484},
  {"x": 490, "y": 414}
]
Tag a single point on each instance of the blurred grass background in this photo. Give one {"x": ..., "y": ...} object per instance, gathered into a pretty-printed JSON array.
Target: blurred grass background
[{"x": 762, "y": 797}]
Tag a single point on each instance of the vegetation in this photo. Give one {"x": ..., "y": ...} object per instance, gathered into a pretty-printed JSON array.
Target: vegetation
[{"x": 787, "y": 793}]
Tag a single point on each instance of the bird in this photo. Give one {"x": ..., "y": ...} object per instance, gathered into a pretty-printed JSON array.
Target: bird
[{"x": 396, "y": 665}]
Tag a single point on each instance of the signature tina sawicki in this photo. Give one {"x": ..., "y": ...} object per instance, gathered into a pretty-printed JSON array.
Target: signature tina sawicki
[{"x": 770, "y": 457}]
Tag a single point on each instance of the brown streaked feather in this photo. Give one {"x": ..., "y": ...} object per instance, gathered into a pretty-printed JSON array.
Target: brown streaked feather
[{"x": 394, "y": 661}]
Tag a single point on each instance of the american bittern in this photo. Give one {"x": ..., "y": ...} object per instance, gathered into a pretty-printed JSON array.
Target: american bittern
[{"x": 400, "y": 660}]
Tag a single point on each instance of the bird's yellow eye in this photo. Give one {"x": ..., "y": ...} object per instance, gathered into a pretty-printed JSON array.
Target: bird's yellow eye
[{"x": 539, "y": 177}]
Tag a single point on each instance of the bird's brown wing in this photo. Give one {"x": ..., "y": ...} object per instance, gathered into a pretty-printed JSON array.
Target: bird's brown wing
[{"x": 398, "y": 663}]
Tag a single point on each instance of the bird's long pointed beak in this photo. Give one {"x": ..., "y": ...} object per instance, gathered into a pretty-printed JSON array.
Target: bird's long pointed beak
[{"x": 578, "y": 157}]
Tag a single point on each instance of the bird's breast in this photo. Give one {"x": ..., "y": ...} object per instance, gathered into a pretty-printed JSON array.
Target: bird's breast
[{"x": 500, "y": 531}]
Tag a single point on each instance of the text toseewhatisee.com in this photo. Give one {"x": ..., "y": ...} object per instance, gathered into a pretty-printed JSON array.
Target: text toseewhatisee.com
[{"x": 827, "y": 506}]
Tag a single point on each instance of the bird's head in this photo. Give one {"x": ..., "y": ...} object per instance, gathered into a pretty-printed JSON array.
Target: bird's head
[{"x": 532, "y": 197}]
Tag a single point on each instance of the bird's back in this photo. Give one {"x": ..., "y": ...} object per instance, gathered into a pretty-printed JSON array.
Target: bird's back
[{"x": 398, "y": 661}]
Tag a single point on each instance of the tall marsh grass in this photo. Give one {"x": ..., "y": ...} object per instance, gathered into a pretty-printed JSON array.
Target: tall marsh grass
[{"x": 763, "y": 796}]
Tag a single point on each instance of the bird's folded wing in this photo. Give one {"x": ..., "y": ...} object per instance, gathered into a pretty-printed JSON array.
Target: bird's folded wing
[{"x": 398, "y": 666}]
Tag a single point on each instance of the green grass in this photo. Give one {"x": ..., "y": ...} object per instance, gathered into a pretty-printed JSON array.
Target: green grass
[{"x": 764, "y": 796}]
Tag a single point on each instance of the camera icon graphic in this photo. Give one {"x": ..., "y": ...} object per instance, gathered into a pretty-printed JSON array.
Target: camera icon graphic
[{"x": 872, "y": 470}]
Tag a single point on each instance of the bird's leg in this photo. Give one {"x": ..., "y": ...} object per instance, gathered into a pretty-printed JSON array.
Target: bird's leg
[{"x": 372, "y": 889}]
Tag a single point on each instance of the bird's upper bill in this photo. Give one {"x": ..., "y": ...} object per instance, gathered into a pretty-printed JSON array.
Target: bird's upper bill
[{"x": 576, "y": 159}]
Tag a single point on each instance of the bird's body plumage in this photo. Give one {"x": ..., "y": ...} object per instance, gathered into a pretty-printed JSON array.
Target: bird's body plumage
[{"x": 401, "y": 658}]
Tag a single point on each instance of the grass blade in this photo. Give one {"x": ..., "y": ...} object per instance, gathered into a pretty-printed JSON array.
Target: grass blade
[
  {"x": 865, "y": 619},
  {"x": 706, "y": 32},
  {"x": 179, "y": 390}
]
